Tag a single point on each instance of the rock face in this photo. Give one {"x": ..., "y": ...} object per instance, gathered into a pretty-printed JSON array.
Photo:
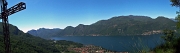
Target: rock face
[{"x": 115, "y": 26}]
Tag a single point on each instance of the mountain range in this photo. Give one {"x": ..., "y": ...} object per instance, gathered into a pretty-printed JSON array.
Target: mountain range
[
  {"x": 115, "y": 26},
  {"x": 45, "y": 32}
]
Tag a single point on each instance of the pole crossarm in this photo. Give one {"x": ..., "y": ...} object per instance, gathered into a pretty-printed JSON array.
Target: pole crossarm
[
  {"x": 4, "y": 16},
  {"x": 14, "y": 9}
]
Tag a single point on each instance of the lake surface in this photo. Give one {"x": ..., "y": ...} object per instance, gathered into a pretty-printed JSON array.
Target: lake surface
[{"x": 117, "y": 43}]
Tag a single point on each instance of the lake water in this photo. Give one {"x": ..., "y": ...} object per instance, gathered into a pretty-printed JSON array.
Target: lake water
[{"x": 117, "y": 43}]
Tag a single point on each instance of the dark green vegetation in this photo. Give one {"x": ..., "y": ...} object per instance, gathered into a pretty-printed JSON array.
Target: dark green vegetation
[
  {"x": 172, "y": 41},
  {"x": 26, "y": 43},
  {"x": 171, "y": 44},
  {"x": 121, "y": 25}
]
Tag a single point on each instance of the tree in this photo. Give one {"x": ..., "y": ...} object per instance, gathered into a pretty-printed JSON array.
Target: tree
[
  {"x": 169, "y": 35},
  {"x": 175, "y": 3}
]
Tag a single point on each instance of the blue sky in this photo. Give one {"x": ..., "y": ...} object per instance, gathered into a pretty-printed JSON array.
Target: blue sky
[{"x": 62, "y": 13}]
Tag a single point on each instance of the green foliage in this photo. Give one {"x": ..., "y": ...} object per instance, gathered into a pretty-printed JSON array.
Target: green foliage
[
  {"x": 178, "y": 21},
  {"x": 175, "y": 3},
  {"x": 61, "y": 45},
  {"x": 171, "y": 41},
  {"x": 169, "y": 36},
  {"x": 165, "y": 51}
]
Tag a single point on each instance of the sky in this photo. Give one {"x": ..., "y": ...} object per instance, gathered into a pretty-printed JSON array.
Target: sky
[{"x": 63, "y": 13}]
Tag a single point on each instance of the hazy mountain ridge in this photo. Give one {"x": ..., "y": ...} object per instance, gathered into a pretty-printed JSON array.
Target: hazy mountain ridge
[
  {"x": 120, "y": 25},
  {"x": 45, "y": 32}
]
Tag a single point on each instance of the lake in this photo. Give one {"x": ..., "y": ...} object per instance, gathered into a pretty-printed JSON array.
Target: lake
[{"x": 117, "y": 43}]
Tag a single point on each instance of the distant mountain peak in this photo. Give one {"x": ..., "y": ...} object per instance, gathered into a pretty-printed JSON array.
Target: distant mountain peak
[
  {"x": 69, "y": 27},
  {"x": 42, "y": 28},
  {"x": 44, "y": 32},
  {"x": 81, "y": 24},
  {"x": 161, "y": 17}
]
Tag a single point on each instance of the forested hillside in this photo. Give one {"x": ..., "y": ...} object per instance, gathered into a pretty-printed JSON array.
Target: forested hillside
[
  {"x": 26, "y": 43},
  {"x": 122, "y": 25},
  {"x": 115, "y": 26}
]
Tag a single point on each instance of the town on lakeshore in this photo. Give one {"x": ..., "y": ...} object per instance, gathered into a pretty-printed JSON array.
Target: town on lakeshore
[{"x": 92, "y": 49}]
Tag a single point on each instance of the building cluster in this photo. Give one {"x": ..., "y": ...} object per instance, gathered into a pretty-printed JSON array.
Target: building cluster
[
  {"x": 92, "y": 49},
  {"x": 152, "y": 32}
]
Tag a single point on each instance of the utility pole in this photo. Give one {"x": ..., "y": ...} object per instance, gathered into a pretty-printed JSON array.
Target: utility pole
[{"x": 4, "y": 16}]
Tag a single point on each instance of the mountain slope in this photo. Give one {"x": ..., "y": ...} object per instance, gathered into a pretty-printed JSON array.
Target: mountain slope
[
  {"x": 26, "y": 43},
  {"x": 122, "y": 25},
  {"x": 115, "y": 26}
]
